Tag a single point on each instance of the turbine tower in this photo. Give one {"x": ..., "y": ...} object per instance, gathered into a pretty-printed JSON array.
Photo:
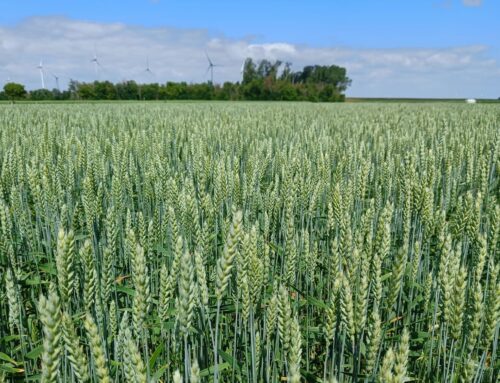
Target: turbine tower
[
  {"x": 57, "y": 81},
  {"x": 210, "y": 68},
  {"x": 40, "y": 68}
]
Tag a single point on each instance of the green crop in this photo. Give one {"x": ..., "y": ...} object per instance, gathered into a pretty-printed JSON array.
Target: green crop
[{"x": 249, "y": 242}]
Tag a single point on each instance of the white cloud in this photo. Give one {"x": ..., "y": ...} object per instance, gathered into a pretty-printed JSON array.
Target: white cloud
[
  {"x": 472, "y": 3},
  {"x": 67, "y": 48}
]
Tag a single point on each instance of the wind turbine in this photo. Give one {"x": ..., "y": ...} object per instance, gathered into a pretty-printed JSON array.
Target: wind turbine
[
  {"x": 210, "y": 68},
  {"x": 96, "y": 62},
  {"x": 148, "y": 70},
  {"x": 57, "y": 81},
  {"x": 40, "y": 68}
]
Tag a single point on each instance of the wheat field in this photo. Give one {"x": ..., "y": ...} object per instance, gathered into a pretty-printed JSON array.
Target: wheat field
[{"x": 249, "y": 242}]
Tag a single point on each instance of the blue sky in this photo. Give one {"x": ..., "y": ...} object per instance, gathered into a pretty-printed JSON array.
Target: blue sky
[{"x": 446, "y": 48}]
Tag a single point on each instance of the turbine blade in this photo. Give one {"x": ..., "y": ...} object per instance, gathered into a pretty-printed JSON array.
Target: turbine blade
[{"x": 208, "y": 58}]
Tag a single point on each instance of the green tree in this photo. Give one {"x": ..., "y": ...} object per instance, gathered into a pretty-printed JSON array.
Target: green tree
[
  {"x": 325, "y": 83},
  {"x": 249, "y": 71},
  {"x": 287, "y": 91},
  {"x": 41, "y": 95},
  {"x": 287, "y": 72},
  {"x": 253, "y": 90},
  {"x": 73, "y": 86},
  {"x": 127, "y": 90},
  {"x": 149, "y": 91},
  {"x": 228, "y": 91},
  {"x": 14, "y": 91},
  {"x": 104, "y": 90},
  {"x": 201, "y": 91},
  {"x": 174, "y": 91},
  {"x": 86, "y": 91}
]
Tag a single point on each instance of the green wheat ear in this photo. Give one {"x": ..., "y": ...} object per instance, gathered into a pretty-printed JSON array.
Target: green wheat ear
[
  {"x": 134, "y": 368},
  {"x": 177, "y": 377},
  {"x": 386, "y": 370},
  {"x": 13, "y": 301},
  {"x": 295, "y": 352},
  {"x": 195, "y": 372},
  {"x": 140, "y": 278},
  {"x": 97, "y": 350},
  {"x": 373, "y": 338},
  {"x": 75, "y": 354},
  {"x": 50, "y": 315},
  {"x": 225, "y": 263},
  {"x": 400, "y": 366}
]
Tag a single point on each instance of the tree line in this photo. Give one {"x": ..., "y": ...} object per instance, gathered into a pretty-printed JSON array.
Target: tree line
[{"x": 263, "y": 80}]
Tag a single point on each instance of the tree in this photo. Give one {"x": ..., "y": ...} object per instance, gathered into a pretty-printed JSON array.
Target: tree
[
  {"x": 127, "y": 90},
  {"x": 41, "y": 95},
  {"x": 61, "y": 95},
  {"x": 249, "y": 71},
  {"x": 104, "y": 90},
  {"x": 273, "y": 71},
  {"x": 86, "y": 91},
  {"x": 318, "y": 74},
  {"x": 287, "y": 91},
  {"x": 73, "y": 88},
  {"x": 253, "y": 90},
  {"x": 174, "y": 91},
  {"x": 262, "y": 80},
  {"x": 228, "y": 91},
  {"x": 149, "y": 91},
  {"x": 287, "y": 72},
  {"x": 14, "y": 91},
  {"x": 201, "y": 91}
]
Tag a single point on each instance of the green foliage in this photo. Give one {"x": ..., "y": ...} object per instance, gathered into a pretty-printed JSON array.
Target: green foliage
[
  {"x": 14, "y": 91},
  {"x": 261, "y": 81},
  {"x": 41, "y": 94}
]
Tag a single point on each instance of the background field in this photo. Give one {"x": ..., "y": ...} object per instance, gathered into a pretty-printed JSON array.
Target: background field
[
  {"x": 420, "y": 100},
  {"x": 348, "y": 99},
  {"x": 249, "y": 242}
]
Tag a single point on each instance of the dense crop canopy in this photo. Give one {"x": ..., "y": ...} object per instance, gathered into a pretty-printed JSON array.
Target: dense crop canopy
[{"x": 249, "y": 242}]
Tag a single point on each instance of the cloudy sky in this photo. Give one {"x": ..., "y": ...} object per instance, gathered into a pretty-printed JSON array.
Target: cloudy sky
[{"x": 391, "y": 48}]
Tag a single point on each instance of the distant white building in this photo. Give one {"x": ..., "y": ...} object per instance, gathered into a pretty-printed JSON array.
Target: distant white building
[{"x": 471, "y": 101}]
